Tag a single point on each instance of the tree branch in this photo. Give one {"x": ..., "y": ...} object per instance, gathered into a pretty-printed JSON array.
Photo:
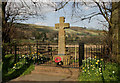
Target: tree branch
[
  {"x": 107, "y": 19},
  {"x": 89, "y": 17},
  {"x": 62, "y": 6}
]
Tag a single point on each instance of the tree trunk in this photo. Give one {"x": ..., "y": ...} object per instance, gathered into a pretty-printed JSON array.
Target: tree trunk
[
  {"x": 5, "y": 27},
  {"x": 116, "y": 29}
]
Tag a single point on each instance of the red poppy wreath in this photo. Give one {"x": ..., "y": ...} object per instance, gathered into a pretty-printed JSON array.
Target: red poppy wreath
[{"x": 57, "y": 59}]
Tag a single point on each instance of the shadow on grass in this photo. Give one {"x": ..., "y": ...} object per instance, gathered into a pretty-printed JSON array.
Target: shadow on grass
[
  {"x": 7, "y": 63},
  {"x": 16, "y": 73},
  {"x": 118, "y": 74}
]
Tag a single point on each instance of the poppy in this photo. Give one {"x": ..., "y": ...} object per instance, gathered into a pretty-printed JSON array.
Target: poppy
[{"x": 57, "y": 59}]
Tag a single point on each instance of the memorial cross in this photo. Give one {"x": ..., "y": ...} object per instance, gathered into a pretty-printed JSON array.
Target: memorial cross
[{"x": 61, "y": 40}]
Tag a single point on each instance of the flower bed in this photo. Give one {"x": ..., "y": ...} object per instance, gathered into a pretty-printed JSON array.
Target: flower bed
[{"x": 94, "y": 69}]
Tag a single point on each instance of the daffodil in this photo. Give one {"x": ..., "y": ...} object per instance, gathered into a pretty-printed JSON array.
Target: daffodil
[
  {"x": 96, "y": 62},
  {"x": 35, "y": 52},
  {"x": 83, "y": 68},
  {"x": 15, "y": 64},
  {"x": 91, "y": 65},
  {"x": 99, "y": 69},
  {"x": 113, "y": 72},
  {"x": 33, "y": 58},
  {"x": 23, "y": 55},
  {"x": 101, "y": 59},
  {"x": 13, "y": 67},
  {"x": 95, "y": 56},
  {"x": 101, "y": 73},
  {"x": 32, "y": 53},
  {"x": 88, "y": 67}
]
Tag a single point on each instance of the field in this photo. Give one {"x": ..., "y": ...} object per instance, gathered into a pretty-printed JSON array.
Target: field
[{"x": 47, "y": 33}]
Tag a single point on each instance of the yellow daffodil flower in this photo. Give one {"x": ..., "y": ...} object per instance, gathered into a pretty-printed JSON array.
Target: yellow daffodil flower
[
  {"x": 96, "y": 62},
  {"x": 83, "y": 68},
  {"x": 33, "y": 58},
  {"x": 101, "y": 59},
  {"x": 95, "y": 56}
]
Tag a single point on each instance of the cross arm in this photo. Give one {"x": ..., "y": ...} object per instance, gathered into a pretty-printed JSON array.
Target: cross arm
[
  {"x": 57, "y": 25},
  {"x": 66, "y": 25}
]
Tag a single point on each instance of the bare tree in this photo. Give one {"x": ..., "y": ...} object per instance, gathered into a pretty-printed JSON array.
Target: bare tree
[{"x": 22, "y": 10}]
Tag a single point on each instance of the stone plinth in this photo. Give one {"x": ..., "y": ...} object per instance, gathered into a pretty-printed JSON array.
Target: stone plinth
[{"x": 65, "y": 59}]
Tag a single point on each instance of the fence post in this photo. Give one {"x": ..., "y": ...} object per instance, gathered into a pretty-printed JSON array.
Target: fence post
[
  {"x": 15, "y": 53},
  {"x": 81, "y": 53},
  {"x": 48, "y": 48},
  {"x": 75, "y": 53},
  {"x": 37, "y": 51},
  {"x": 51, "y": 51},
  {"x": 30, "y": 48}
]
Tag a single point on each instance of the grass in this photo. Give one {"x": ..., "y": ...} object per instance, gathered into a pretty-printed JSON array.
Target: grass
[
  {"x": 29, "y": 69},
  {"x": 99, "y": 72},
  {"x": 11, "y": 70}
]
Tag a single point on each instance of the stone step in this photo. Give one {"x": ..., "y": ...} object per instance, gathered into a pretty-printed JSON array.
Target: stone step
[
  {"x": 55, "y": 69},
  {"x": 73, "y": 72}
]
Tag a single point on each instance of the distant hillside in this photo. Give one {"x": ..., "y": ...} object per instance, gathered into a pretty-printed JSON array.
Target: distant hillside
[{"x": 27, "y": 31}]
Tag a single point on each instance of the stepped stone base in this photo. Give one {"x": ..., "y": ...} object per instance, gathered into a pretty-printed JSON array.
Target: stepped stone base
[
  {"x": 65, "y": 59},
  {"x": 58, "y": 71}
]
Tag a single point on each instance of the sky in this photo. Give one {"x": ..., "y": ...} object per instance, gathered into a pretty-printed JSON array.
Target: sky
[{"x": 52, "y": 17}]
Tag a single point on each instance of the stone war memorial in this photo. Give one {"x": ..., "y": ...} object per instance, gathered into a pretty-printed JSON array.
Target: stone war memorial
[{"x": 64, "y": 58}]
